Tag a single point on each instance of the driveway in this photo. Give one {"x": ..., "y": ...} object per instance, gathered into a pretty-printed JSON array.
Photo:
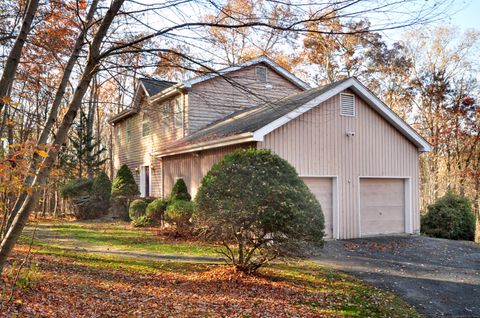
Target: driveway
[{"x": 441, "y": 278}]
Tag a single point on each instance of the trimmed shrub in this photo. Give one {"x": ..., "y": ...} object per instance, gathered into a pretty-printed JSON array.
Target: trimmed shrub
[
  {"x": 137, "y": 209},
  {"x": 254, "y": 202},
  {"x": 124, "y": 189},
  {"x": 124, "y": 184},
  {"x": 180, "y": 191},
  {"x": 179, "y": 213},
  {"x": 142, "y": 221},
  {"x": 156, "y": 209},
  {"x": 451, "y": 217}
]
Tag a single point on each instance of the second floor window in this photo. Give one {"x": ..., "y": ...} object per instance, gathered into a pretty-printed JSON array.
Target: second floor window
[
  {"x": 145, "y": 125},
  {"x": 118, "y": 131},
  {"x": 178, "y": 113},
  {"x": 128, "y": 130},
  {"x": 165, "y": 114}
]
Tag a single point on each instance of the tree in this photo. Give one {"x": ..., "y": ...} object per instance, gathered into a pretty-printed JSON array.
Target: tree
[
  {"x": 180, "y": 191},
  {"x": 124, "y": 184},
  {"x": 256, "y": 204},
  {"x": 451, "y": 217},
  {"x": 94, "y": 38}
]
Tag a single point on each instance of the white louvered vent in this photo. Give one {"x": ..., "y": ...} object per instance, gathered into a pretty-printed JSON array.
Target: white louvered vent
[
  {"x": 347, "y": 105},
  {"x": 261, "y": 73}
]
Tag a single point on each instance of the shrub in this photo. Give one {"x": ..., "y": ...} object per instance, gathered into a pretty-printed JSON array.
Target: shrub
[
  {"x": 142, "y": 221},
  {"x": 102, "y": 188},
  {"x": 451, "y": 217},
  {"x": 124, "y": 189},
  {"x": 179, "y": 213},
  {"x": 156, "y": 209},
  {"x": 137, "y": 209},
  {"x": 259, "y": 208},
  {"x": 180, "y": 191},
  {"x": 124, "y": 184},
  {"x": 75, "y": 188}
]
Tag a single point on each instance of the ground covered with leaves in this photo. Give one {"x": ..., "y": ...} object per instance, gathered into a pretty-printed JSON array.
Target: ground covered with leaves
[{"x": 58, "y": 282}]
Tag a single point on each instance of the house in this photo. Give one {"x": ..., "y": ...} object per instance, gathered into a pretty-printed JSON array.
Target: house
[{"x": 357, "y": 156}]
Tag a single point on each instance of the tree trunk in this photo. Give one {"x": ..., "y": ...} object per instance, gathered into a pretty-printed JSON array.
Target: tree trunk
[
  {"x": 21, "y": 217},
  {"x": 13, "y": 59},
  {"x": 52, "y": 116}
]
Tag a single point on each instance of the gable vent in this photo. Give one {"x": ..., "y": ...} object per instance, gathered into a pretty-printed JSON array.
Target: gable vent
[{"x": 347, "y": 105}]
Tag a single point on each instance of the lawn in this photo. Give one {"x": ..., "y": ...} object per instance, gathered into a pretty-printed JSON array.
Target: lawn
[{"x": 66, "y": 283}]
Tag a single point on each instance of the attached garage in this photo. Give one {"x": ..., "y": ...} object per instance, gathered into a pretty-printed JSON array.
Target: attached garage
[
  {"x": 383, "y": 206},
  {"x": 324, "y": 189}
]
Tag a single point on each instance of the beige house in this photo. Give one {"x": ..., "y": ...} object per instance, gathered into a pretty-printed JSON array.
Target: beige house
[{"x": 356, "y": 155}]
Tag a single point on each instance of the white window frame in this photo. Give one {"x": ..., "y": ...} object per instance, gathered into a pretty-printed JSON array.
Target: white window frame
[
  {"x": 145, "y": 120},
  {"x": 178, "y": 113},
  {"x": 165, "y": 114},
  {"x": 354, "y": 105}
]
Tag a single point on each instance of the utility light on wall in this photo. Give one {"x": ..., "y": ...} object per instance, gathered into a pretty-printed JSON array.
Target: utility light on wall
[{"x": 350, "y": 133}]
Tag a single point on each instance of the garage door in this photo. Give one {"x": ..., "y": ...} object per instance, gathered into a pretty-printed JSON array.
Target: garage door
[
  {"x": 322, "y": 189},
  {"x": 382, "y": 206}
]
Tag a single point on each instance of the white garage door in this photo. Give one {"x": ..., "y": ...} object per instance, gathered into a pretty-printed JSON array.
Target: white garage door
[
  {"x": 322, "y": 189},
  {"x": 382, "y": 206}
]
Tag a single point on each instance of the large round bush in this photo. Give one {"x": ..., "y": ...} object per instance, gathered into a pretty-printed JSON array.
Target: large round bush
[
  {"x": 137, "y": 209},
  {"x": 451, "y": 217},
  {"x": 256, "y": 204}
]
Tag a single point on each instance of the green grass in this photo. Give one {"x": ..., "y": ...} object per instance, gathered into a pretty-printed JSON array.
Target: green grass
[
  {"x": 345, "y": 295},
  {"x": 118, "y": 236}
]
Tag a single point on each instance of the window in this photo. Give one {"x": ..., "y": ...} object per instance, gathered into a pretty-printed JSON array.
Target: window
[
  {"x": 129, "y": 130},
  {"x": 165, "y": 114},
  {"x": 118, "y": 135},
  {"x": 347, "y": 105},
  {"x": 178, "y": 113},
  {"x": 145, "y": 125},
  {"x": 261, "y": 72}
]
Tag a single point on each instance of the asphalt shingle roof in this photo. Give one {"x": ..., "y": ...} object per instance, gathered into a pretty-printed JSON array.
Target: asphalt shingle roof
[
  {"x": 154, "y": 86},
  {"x": 252, "y": 119}
]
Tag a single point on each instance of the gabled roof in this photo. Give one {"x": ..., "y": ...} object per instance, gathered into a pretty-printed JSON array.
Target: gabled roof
[
  {"x": 254, "y": 123},
  {"x": 261, "y": 59},
  {"x": 153, "y": 86}
]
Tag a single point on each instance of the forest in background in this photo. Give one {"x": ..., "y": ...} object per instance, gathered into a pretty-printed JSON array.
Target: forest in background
[{"x": 81, "y": 60}]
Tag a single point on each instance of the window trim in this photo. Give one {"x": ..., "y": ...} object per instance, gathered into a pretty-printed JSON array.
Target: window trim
[
  {"x": 128, "y": 130},
  {"x": 165, "y": 114},
  {"x": 145, "y": 121},
  {"x": 176, "y": 112},
  {"x": 266, "y": 73},
  {"x": 354, "y": 105}
]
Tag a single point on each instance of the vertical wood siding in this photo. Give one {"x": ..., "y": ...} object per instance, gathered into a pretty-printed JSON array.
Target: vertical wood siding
[
  {"x": 192, "y": 167},
  {"x": 216, "y": 98},
  {"x": 316, "y": 144}
]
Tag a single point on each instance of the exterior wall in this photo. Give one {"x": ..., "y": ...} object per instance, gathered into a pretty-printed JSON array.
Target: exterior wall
[
  {"x": 316, "y": 144},
  {"x": 139, "y": 150},
  {"x": 218, "y": 97},
  {"x": 192, "y": 167}
]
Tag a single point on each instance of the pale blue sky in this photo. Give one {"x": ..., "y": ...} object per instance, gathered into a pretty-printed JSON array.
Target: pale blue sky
[{"x": 468, "y": 17}]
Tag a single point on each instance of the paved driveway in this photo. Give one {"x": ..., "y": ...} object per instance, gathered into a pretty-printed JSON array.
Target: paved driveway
[{"x": 441, "y": 278}]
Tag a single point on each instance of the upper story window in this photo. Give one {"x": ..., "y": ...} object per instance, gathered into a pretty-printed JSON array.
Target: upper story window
[
  {"x": 118, "y": 133},
  {"x": 165, "y": 114},
  {"x": 347, "y": 104},
  {"x": 178, "y": 113},
  {"x": 145, "y": 125},
  {"x": 261, "y": 72},
  {"x": 128, "y": 130}
]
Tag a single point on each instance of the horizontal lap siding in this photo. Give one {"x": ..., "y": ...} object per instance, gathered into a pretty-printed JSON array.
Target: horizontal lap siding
[
  {"x": 218, "y": 97},
  {"x": 139, "y": 151},
  {"x": 316, "y": 143},
  {"x": 193, "y": 167}
]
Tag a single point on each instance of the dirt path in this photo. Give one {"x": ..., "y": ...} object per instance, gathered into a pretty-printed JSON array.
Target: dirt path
[{"x": 46, "y": 235}]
